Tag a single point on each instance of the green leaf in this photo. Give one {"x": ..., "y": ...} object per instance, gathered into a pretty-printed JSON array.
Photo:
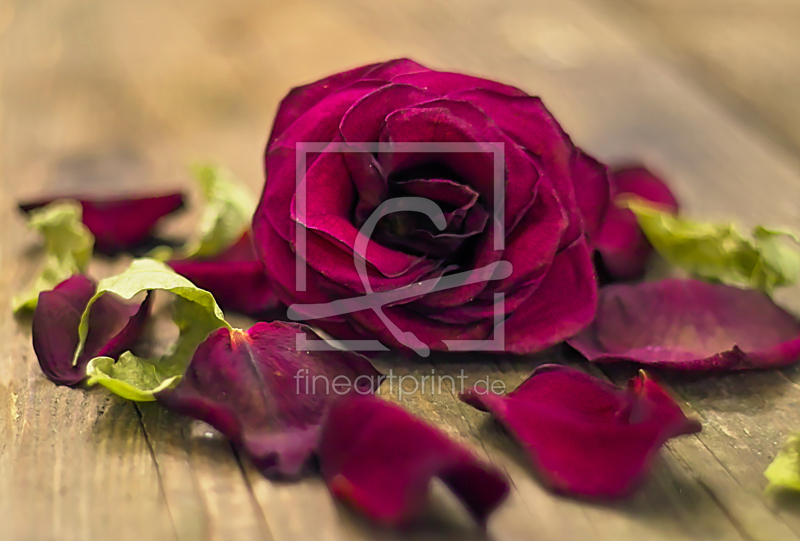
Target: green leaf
[
  {"x": 719, "y": 252},
  {"x": 131, "y": 377},
  {"x": 195, "y": 312},
  {"x": 784, "y": 472},
  {"x": 226, "y": 217},
  {"x": 68, "y": 246}
]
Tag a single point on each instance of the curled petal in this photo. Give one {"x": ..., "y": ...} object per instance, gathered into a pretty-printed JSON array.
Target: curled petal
[
  {"x": 690, "y": 325},
  {"x": 622, "y": 244},
  {"x": 264, "y": 394},
  {"x": 587, "y": 437},
  {"x": 120, "y": 224},
  {"x": 380, "y": 459},
  {"x": 114, "y": 326}
]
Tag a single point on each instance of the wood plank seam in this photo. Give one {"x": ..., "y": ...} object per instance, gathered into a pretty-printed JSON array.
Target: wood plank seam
[
  {"x": 157, "y": 466},
  {"x": 261, "y": 517}
]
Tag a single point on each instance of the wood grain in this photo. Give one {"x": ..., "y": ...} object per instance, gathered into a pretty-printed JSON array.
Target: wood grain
[{"x": 119, "y": 96}]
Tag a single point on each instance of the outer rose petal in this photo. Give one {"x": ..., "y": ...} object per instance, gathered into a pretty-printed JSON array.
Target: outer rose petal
[
  {"x": 585, "y": 436},
  {"x": 690, "y": 325},
  {"x": 381, "y": 459},
  {"x": 622, "y": 245},
  {"x": 123, "y": 223},
  {"x": 273, "y": 249},
  {"x": 563, "y": 305},
  {"x": 590, "y": 180},
  {"x": 445, "y": 83},
  {"x": 263, "y": 394},
  {"x": 302, "y": 98},
  {"x": 320, "y": 123},
  {"x": 236, "y": 278},
  {"x": 114, "y": 325}
]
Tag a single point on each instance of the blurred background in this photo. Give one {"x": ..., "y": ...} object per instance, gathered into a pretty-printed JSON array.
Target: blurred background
[{"x": 111, "y": 95}]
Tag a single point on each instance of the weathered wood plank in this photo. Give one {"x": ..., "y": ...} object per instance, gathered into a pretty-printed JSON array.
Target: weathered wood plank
[{"x": 84, "y": 467}]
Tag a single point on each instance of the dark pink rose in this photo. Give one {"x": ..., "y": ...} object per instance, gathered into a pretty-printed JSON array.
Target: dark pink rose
[{"x": 555, "y": 198}]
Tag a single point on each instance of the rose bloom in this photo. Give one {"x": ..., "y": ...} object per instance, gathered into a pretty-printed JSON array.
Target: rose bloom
[{"x": 555, "y": 199}]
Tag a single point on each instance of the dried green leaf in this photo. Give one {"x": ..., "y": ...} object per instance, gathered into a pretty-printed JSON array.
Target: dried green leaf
[
  {"x": 226, "y": 216},
  {"x": 195, "y": 312},
  {"x": 784, "y": 471},
  {"x": 720, "y": 252},
  {"x": 68, "y": 248}
]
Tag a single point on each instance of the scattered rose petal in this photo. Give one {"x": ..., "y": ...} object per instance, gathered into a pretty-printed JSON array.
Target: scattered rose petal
[
  {"x": 587, "y": 437},
  {"x": 690, "y": 325},
  {"x": 236, "y": 278},
  {"x": 622, "y": 246},
  {"x": 265, "y": 395},
  {"x": 120, "y": 224},
  {"x": 380, "y": 459},
  {"x": 114, "y": 326}
]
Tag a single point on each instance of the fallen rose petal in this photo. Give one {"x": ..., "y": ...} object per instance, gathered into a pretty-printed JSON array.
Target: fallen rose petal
[
  {"x": 586, "y": 437},
  {"x": 380, "y": 459},
  {"x": 113, "y": 327},
  {"x": 690, "y": 325},
  {"x": 236, "y": 278},
  {"x": 622, "y": 246},
  {"x": 265, "y": 395},
  {"x": 120, "y": 224}
]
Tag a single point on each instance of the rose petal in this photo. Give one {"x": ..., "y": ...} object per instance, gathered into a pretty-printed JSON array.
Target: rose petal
[
  {"x": 622, "y": 245},
  {"x": 302, "y": 98},
  {"x": 690, "y": 325},
  {"x": 329, "y": 209},
  {"x": 452, "y": 121},
  {"x": 363, "y": 123},
  {"x": 236, "y": 278},
  {"x": 444, "y": 83},
  {"x": 585, "y": 436},
  {"x": 320, "y": 123},
  {"x": 464, "y": 218},
  {"x": 590, "y": 180},
  {"x": 562, "y": 305},
  {"x": 528, "y": 123},
  {"x": 380, "y": 459},
  {"x": 265, "y": 395},
  {"x": 113, "y": 327},
  {"x": 120, "y": 224}
]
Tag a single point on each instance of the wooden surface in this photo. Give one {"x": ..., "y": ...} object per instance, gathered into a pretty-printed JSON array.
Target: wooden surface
[{"x": 110, "y": 96}]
